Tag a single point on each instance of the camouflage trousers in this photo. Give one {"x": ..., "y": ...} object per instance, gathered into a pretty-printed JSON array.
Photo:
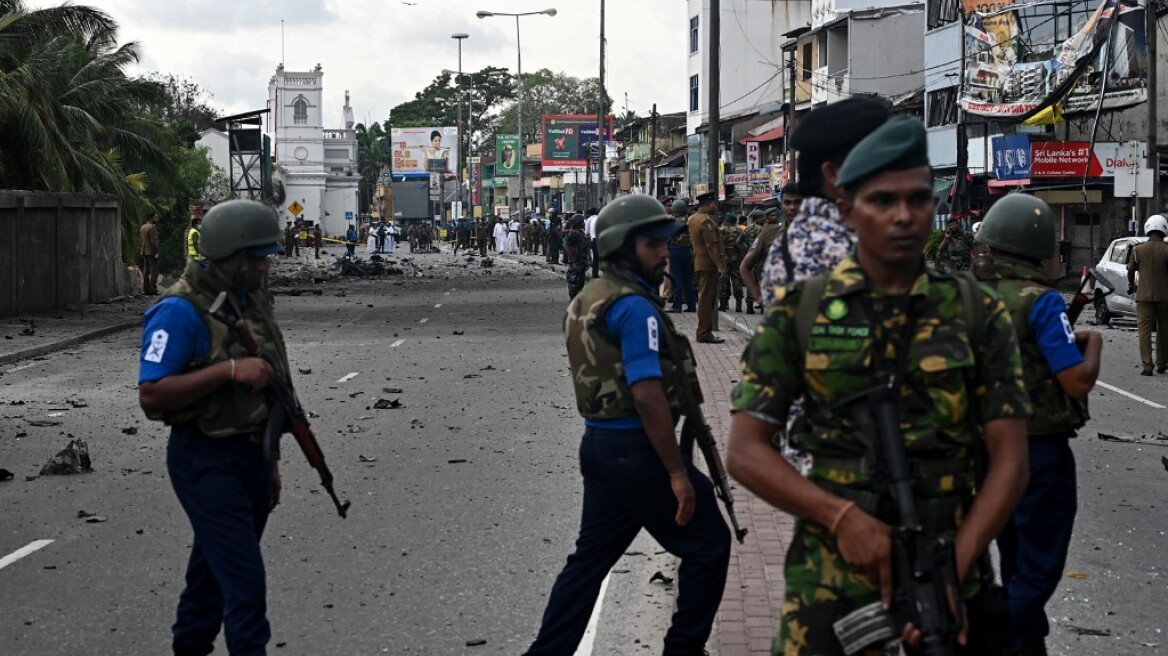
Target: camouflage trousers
[
  {"x": 731, "y": 283},
  {"x": 959, "y": 263},
  {"x": 577, "y": 276}
]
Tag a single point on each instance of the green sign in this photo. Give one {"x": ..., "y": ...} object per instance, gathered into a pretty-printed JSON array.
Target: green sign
[{"x": 507, "y": 154}]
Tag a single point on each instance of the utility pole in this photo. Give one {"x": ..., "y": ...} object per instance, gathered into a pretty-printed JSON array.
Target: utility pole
[
  {"x": 790, "y": 129},
  {"x": 652, "y": 186},
  {"x": 715, "y": 84},
  {"x": 600, "y": 116},
  {"x": 1152, "y": 36}
]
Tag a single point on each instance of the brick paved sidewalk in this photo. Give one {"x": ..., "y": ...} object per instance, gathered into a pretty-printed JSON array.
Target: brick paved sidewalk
[{"x": 748, "y": 618}]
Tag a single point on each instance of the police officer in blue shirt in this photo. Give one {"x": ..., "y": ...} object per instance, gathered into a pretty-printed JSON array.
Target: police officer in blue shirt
[
  {"x": 631, "y": 367},
  {"x": 1060, "y": 367},
  {"x": 197, "y": 377}
]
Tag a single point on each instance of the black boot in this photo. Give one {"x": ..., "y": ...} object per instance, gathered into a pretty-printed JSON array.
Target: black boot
[
  {"x": 738, "y": 305},
  {"x": 750, "y": 306},
  {"x": 724, "y": 306}
]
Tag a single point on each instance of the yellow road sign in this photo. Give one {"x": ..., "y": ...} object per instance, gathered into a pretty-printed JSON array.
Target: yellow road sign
[{"x": 295, "y": 208}]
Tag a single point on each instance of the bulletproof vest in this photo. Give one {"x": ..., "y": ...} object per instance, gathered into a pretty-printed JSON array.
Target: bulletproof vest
[
  {"x": 1020, "y": 286},
  {"x": 233, "y": 408},
  {"x": 960, "y": 246},
  {"x": 682, "y": 237},
  {"x": 595, "y": 355},
  {"x": 729, "y": 235}
]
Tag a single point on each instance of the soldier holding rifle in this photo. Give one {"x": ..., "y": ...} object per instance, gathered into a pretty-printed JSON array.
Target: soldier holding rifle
[
  {"x": 197, "y": 376},
  {"x": 905, "y": 372},
  {"x": 634, "y": 376}
]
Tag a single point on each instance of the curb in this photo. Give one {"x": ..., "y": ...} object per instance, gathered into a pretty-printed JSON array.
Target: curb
[{"x": 25, "y": 354}]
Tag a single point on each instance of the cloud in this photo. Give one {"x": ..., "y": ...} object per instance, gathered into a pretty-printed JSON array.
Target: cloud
[{"x": 220, "y": 16}]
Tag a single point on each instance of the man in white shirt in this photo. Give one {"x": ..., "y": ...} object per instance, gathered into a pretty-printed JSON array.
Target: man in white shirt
[
  {"x": 500, "y": 234},
  {"x": 590, "y": 230},
  {"x": 391, "y": 238}
]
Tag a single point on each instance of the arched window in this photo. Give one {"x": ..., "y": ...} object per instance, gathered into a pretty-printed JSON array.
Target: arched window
[{"x": 300, "y": 111}]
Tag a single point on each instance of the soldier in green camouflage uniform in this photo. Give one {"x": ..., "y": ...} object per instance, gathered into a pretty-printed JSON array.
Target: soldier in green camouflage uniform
[
  {"x": 880, "y": 311},
  {"x": 578, "y": 253},
  {"x": 731, "y": 283},
  {"x": 956, "y": 247},
  {"x": 745, "y": 242}
]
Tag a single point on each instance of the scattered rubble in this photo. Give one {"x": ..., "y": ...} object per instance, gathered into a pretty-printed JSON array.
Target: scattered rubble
[
  {"x": 387, "y": 404},
  {"x": 73, "y": 459}
]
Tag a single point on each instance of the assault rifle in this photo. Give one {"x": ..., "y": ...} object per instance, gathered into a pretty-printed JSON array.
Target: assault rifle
[
  {"x": 285, "y": 405},
  {"x": 926, "y": 591},
  {"x": 698, "y": 430}
]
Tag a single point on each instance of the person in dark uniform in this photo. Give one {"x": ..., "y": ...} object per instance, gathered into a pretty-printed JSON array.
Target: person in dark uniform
[
  {"x": 1060, "y": 367},
  {"x": 628, "y": 380},
  {"x": 351, "y": 241},
  {"x": 199, "y": 380},
  {"x": 317, "y": 238},
  {"x": 681, "y": 263},
  {"x": 555, "y": 240},
  {"x": 577, "y": 252}
]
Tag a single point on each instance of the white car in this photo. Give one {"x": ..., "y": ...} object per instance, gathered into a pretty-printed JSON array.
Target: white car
[{"x": 1111, "y": 273}]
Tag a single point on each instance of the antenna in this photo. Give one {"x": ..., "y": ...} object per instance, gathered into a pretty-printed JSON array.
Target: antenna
[{"x": 281, "y": 40}]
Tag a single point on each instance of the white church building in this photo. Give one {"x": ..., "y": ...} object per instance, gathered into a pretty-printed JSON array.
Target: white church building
[{"x": 317, "y": 166}]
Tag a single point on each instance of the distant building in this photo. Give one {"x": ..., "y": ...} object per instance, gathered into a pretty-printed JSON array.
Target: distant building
[{"x": 317, "y": 166}]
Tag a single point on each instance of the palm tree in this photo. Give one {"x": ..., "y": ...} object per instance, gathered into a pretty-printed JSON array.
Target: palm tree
[
  {"x": 70, "y": 118},
  {"x": 373, "y": 153}
]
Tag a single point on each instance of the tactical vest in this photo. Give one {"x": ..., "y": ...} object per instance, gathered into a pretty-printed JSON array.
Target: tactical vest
[
  {"x": 233, "y": 408},
  {"x": 1020, "y": 286},
  {"x": 595, "y": 356},
  {"x": 682, "y": 239}
]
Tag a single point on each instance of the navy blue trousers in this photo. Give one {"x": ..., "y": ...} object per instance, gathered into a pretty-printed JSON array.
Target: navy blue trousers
[
  {"x": 1034, "y": 543},
  {"x": 626, "y": 488},
  {"x": 682, "y": 271},
  {"x": 225, "y": 487}
]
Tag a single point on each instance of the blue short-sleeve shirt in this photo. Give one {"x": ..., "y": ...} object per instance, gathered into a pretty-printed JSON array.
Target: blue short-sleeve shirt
[
  {"x": 634, "y": 322},
  {"x": 1053, "y": 332},
  {"x": 173, "y": 334}
]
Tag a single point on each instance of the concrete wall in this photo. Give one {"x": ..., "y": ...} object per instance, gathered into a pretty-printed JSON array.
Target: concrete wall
[
  {"x": 59, "y": 250},
  {"x": 887, "y": 54}
]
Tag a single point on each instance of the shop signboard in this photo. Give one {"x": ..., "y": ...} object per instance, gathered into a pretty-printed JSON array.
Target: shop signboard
[
  {"x": 569, "y": 141},
  {"x": 417, "y": 152}
]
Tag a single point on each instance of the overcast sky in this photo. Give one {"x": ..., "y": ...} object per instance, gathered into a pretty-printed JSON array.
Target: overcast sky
[{"x": 384, "y": 51}]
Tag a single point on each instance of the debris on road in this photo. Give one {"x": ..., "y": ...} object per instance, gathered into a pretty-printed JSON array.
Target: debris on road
[
  {"x": 486, "y": 263},
  {"x": 391, "y": 390},
  {"x": 477, "y": 642},
  {"x": 73, "y": 459},
  {"x": 361, "y": 458},
  {"x": 457, "y": 461},
  {"x": 1077, "y": 575},
  {"x": 303, "y": 371},
  {"x": 29, "y": 330},
  {"x": 1084, "y": 631},
  {"x": 91, "y": 518},
  {"x": 5, "y": 475},
  {"x": 42, "y": 423},
  {"x": 387, "y": 404},
  {"x": 1131, "y": 440},
  {"x": 665, "y": 580},
  {"x": 1164, "y": 461},
  {"x": 130, "y": 431}
]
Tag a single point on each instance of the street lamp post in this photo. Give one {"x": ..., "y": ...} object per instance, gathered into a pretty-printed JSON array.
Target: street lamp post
[
  {"x": 462, "y": 91},
  {"x": 519, "y": 78}
]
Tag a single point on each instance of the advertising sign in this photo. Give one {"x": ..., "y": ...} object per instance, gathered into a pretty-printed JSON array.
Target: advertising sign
[
  {"x": 506, "y": 154},
  {"x": 417, "y": 152},
  {"x": 753, "y": 156},
  {"x": 569, "y": 141},
  {"x": 475, "y": 175},
  {"x": 1070, "y": 159},
  {"x": 435, "y": 186},
  {"x": 1035, "y": 64},
  {"x": 1011, "y": 156}
]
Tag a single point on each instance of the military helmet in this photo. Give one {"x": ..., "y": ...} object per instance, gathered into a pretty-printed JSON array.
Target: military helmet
[
  {"x": 1156, "y": 223},
  {"x": 680, "y": 207},
  {"x": 1019, "y": 224},
  {"x": 626, "y": 215},
  {"x": 240, "y": 225}
]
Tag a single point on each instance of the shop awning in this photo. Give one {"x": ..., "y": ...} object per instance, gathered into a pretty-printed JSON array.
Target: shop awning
[
  {"x": 759, "y": 198},
  {"x": 769, "y": 135},
  {"x": 943, "y": 187},
  {"x": 1007, "y": 184}
]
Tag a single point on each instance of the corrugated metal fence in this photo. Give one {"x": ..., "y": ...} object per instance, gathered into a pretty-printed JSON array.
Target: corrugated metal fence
[{"x": 59, "y": 250}]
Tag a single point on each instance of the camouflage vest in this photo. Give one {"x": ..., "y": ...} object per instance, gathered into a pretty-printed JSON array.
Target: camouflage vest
[
  {"x": 682, "y": 237},
  {"x": 595, "y": 356},
  {"x": 231, "y": 409},
  {"x": 1020, "y": 286},
  {"x": 729, "y": 235}
]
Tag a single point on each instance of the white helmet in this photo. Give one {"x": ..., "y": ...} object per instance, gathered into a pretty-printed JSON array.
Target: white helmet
[
  {"x": 1156, "y": 223},
  {"x": 976, "y": 227}
]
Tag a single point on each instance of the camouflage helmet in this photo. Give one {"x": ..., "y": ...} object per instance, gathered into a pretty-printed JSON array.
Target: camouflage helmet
[
  {"x": 680, "y": 207},
  {"x": 1019, "y": 224},
  {"x": 624, "y": 216},
  {"x": 238, "y": 225}
]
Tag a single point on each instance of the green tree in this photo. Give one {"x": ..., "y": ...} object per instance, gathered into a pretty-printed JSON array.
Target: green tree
[
  {"x": 548, "y": 92},
  {"x": 373, "y": 154},
  {"x": 483, "y": 95}
]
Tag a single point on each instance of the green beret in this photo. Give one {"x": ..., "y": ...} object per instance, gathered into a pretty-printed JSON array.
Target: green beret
[
  {"x": 756, "y": 213},
  {"x": 898, "y": 145}
]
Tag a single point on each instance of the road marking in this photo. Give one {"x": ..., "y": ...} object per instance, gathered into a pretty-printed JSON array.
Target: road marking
[
  {"x": 422, "y": 320},
  {"x": 397, "y": 343},
  {"x": 589, "y": 639},
  {"x": 23, "y": 366},
  {"x": 349, "y": 376},
  {"x": 26, "y": 550},
  {"x": 1129, "y": 395},
  {"x": 437, "y": 305}
]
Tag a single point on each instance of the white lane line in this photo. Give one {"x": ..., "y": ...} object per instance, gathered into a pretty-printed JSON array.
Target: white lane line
[
  {"x": 437, "y": 305},
  {"x": 589, "y": 639},
  {"x": 349, "y": 376},
  {"x": 23, "y": 366},
  {"x": 26, "y": 550},
  {"x": 1129, "y": 395},
  {"x": 397, "y": 343},
  {"x": 422, "y": 320}
]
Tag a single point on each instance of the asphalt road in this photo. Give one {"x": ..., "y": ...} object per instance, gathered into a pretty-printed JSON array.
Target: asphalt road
[
  {"x": 470, "y": 501},
  {"x": 463, "y": 514}
]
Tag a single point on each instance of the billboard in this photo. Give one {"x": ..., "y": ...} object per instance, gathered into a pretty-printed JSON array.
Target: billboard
[
  {"x": 568, "y": 140},
  {"x": 506, "y": 154},
  {"x": 417, "y": 152},
  {"x": 1076, "y": 159},
  {"x": 1011, "y": 156},
  {"x": 1036, "y": 64}
]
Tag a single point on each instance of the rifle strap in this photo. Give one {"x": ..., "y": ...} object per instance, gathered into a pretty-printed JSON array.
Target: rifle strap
[{"x": 808, "y": 309}]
